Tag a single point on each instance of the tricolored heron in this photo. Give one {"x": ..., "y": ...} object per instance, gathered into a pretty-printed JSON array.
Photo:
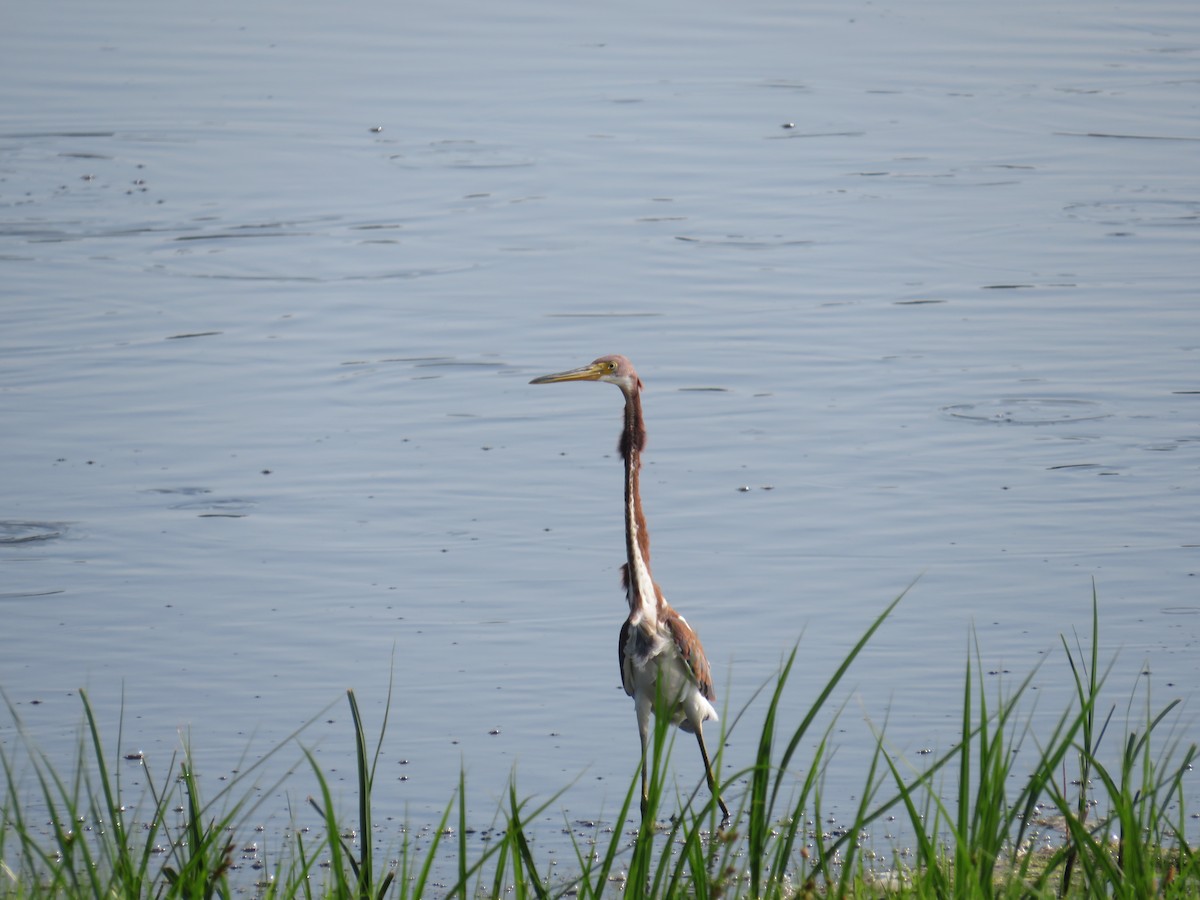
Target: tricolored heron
[{"x": 659, "y": 653}]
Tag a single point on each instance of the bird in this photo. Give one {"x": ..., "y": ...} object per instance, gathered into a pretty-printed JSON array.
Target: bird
[{"x": 659, "y": 653}]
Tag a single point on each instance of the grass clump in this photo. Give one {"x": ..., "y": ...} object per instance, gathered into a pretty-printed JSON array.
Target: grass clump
[{"x": 1096, "y": 814}]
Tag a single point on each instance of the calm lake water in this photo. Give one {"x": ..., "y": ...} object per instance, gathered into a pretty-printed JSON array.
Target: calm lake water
[{"x": 913, "y": 289}]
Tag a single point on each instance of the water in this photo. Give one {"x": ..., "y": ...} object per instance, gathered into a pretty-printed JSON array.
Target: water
[{"x": 912, "y": 290}]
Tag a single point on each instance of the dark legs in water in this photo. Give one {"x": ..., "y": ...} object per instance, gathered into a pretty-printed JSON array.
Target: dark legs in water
[{"x": 712, "y": 782}]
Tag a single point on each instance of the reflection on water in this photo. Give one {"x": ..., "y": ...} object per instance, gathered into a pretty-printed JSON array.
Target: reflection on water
[{"x": 274, "y": 282}]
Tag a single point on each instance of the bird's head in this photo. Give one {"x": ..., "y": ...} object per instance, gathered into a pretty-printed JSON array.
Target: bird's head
[{"x": 613, "y": 369}]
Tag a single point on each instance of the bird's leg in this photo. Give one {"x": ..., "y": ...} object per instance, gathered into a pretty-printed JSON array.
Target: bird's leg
[
  {"x": 645, "y": 792},
  {"x": 644, "y": 734},
  {"x": 712, "y": 782}
]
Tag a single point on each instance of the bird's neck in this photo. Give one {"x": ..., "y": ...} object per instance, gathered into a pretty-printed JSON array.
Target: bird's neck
[{"x": 640, "y": 587}]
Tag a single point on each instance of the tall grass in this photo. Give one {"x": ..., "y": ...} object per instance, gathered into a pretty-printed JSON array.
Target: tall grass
[
  {"x": 91, "y": 850},
  {"x": 1115, "y": 801}
]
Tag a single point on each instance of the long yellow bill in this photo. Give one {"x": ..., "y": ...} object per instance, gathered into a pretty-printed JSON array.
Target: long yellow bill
[{"x": 590, "y": 372}]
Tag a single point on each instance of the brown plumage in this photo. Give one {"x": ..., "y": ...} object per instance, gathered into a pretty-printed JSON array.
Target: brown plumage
[{"x": 659, "y": 654}]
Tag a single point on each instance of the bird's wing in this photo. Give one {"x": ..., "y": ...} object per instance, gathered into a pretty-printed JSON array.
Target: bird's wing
[
  {"x": 690, "y": 651},
  {"x": 624, "y": 661}
]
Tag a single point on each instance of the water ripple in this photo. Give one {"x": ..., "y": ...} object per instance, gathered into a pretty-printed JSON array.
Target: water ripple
[
  {"x": 1028, "y": 411},
  {"x": 29, "y": 532}
]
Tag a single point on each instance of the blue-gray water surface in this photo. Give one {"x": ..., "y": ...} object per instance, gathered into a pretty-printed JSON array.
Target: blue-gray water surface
[{"x": 913, "y": 289}]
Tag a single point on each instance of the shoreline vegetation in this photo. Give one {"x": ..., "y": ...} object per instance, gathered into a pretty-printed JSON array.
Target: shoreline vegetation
[{"x": 1112, "y": 791}]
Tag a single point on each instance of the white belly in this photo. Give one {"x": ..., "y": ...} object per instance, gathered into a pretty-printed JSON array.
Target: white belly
[{"x": 659, "y": 670}]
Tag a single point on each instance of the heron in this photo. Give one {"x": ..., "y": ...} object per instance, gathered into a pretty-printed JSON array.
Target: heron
[{"x": 661, "y": 658}]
